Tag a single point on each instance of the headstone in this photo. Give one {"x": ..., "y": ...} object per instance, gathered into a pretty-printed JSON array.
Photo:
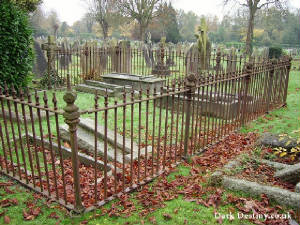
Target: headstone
[
  {"x": 65, "y": 56},
  {"x": 192, "y": 59},
  {"x": 148, "y": 55},
  {"x": 40, "y": 62},
  {"x": 161, "y": 68}
]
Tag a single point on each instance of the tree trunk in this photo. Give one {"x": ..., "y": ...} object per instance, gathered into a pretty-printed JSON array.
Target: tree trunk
[
  {"x": 105, "y": 29},
  {"x": 249, "y": 40},
  {"x": 142, "y": 32}
]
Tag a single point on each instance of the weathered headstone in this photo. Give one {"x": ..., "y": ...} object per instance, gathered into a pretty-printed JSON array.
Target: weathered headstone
[
  {"x": 65, "y": 57},
  {"x": 40, "y": 62},
  {"x": 121, "y": 57},
  {"x": 51, "y": 49},
  {"x": 161, "y": 68}
]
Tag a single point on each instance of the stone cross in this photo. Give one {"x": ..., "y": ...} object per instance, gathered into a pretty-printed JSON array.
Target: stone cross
[{"x": 50, "y": 47}]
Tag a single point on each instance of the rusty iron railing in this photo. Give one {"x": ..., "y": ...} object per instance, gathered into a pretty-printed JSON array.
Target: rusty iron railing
[{"x": 132, "y": 139}]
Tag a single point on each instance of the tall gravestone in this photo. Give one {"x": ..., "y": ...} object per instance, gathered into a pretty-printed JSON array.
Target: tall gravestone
[
  {"x": 147, "y": 51},
  {"x": 121, "y": 57},
  {"x": 198, "y": 55},
  {"x": 51, "y": 49},
  {"x": 161, "y": 68},
  {"x": 65, "y": 56},
  {"x": 40, "y": 62}
]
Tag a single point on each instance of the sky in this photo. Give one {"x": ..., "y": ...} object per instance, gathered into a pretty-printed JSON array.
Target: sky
[{"x": 73, "y": 10}]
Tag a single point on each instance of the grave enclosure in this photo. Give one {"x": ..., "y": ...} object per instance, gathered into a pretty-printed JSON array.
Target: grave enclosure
[{"x": 138, "y": 124}]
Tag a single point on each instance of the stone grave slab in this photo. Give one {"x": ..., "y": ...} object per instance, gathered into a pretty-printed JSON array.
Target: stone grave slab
[
  {"x": 86, "y": 140},
  {"x": 20, "y": 115},
  {"x": 113, "y": 90},
  {"x": 66, "y": 152},
  {"x": 136, "y": 81}
]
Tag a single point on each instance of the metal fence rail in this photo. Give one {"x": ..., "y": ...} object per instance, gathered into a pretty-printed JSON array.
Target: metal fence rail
[{"x": 130, "y": 140}]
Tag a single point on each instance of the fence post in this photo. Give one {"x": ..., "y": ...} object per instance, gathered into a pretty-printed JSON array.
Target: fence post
[
  {"x": 289, "y": 58},
  {"x": 190, "y": 86},
  {"x": 269, "y": 93},
  {"x": 50, "y": 47},
  {"x": 247, "y": 79},
  {"x": 71, "y": 116}
]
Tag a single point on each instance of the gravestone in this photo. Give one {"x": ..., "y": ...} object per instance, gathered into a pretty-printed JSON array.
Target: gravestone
[
  {"x": 147, "y": 51},
  {"x": 87, "y": 62},
  {"x": 192, "y": 59},
  {"x": 40, "y": 62},
  {"x": 121, "y": 57},
  {"x": 51, "y": 49},
  {"x": 161, "y": 68},
  {"x": 65, "y": 56}
]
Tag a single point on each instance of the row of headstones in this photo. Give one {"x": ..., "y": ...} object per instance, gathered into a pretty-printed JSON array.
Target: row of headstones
[{"x": 97, "y": 61}]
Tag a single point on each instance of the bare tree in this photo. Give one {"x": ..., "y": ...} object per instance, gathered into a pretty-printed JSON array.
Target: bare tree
[
  {"x": 253, "y": 6},
  {"x": 142, "y": 11},
  {"x": 102, "y": 11}
]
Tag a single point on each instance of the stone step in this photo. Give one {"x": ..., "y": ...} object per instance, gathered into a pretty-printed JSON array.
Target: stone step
[
  {"x": 92, "y": 90},
  {"x": 89, "y": 125},
  {"x": 86, "y": 141},
  {"x": 27, "y": 115},
  {"x": 107, "y": 85},
  {"x": 66, "y": 152}
]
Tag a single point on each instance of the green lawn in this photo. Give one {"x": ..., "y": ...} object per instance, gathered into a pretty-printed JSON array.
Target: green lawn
[{"x": 284, "y": 120}]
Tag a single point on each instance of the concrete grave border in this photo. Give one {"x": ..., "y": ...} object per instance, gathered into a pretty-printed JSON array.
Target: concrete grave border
[{"x": 282, "y": 196}]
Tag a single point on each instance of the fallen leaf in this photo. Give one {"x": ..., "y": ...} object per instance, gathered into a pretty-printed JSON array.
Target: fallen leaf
[
  {"x": 6, "y": 220},
  {"x": 152, "y": 220},
  {"x": 53, "y": 215},
  {"x": 167, "y": 216}
]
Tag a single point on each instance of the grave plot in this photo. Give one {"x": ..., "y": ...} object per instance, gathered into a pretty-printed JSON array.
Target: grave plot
[
  {"x": 86, "y": 135},
  {"x": 253, "y": 174},
  {"x": 136, "y": 81},
  {"x": 102, "y": 88},
  {"x": 216, "y": 104}
]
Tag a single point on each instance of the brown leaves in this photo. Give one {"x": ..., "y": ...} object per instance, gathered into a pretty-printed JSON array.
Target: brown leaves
[
  {"x": 218, "y": 155},
  {"x": 53, "y": 215},
  {"x": 32, "y": 212},
  {"x": 152, "y": 220},
  {"x": 8, "y": 202},
  {"x": 167, "y": 216},
  {"x": 5, "y": 184},
  {"x": 251, "y": 206}
]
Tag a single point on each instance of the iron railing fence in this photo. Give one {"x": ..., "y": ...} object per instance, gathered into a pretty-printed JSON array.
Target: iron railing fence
[{"x": 84, "y": 158}]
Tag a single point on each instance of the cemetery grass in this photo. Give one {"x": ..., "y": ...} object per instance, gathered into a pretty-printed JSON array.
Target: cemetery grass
[
  {"x": 177, "y": 211},
  {"x": 284, "y": 120}
]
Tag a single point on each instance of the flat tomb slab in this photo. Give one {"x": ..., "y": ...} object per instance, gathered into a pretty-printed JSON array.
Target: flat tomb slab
[
  {"x": 66, "y": 152},
  {"x": 136, "y": 81},
  {"x": 20, "y": 115},
  {"x": 86, "y": 140},
  {"x": 102, "y": 88}
]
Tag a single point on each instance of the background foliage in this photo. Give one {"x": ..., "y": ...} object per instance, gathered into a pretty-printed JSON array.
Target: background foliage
[{"x": 15, "y": 45}]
